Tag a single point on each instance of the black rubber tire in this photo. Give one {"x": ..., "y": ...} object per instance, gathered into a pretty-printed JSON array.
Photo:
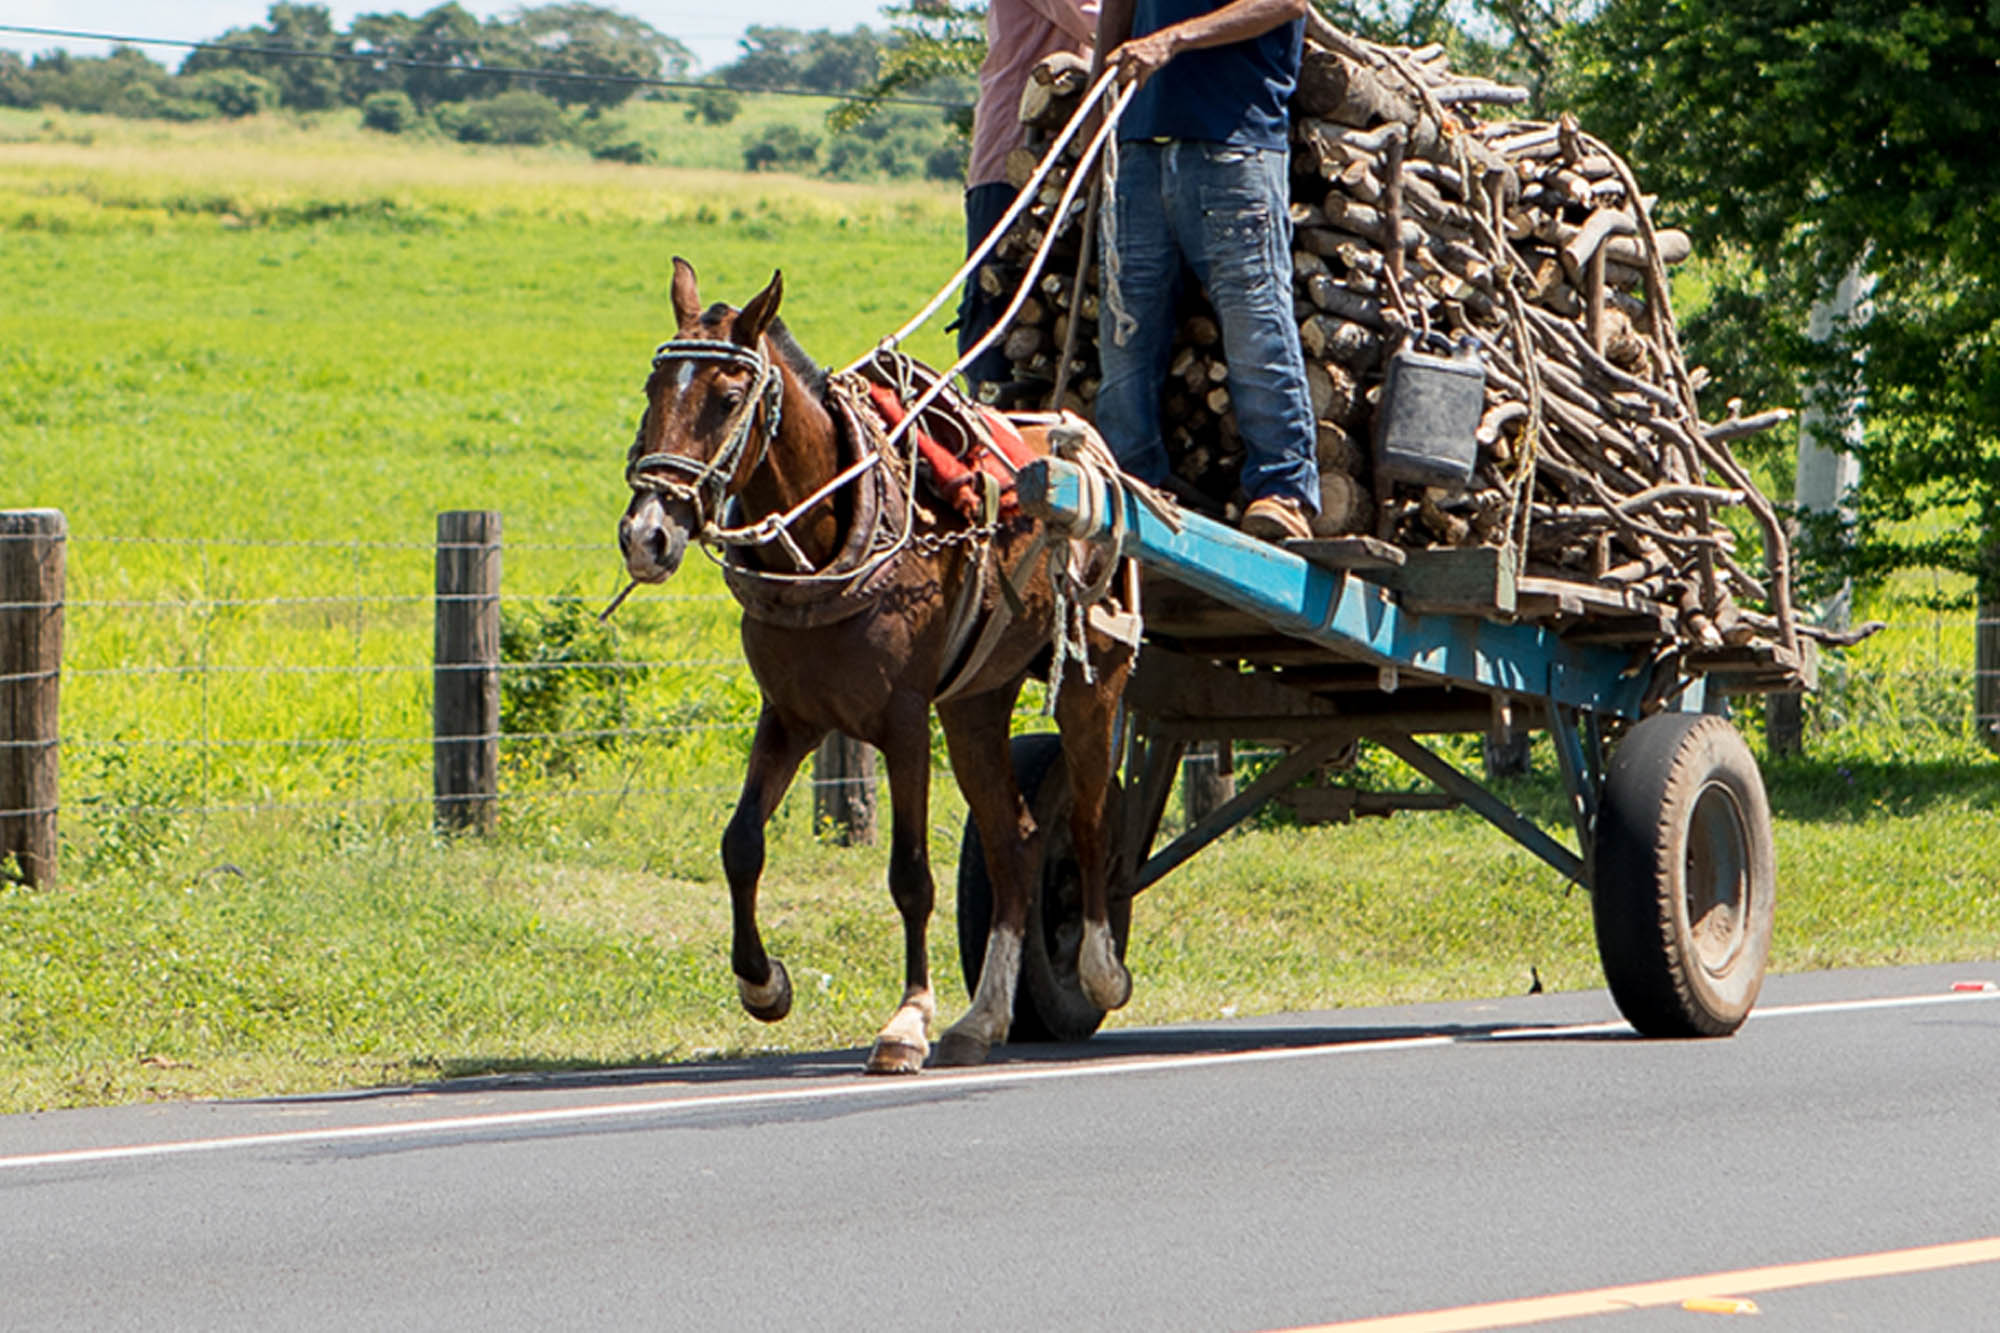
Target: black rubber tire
[
  {"x": 1049, "y": 1003},
  {"x": 1686, "y": 878}
]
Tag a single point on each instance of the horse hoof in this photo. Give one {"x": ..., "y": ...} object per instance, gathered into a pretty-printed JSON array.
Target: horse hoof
[
  {"x": 771, "y": 1001},
  {"x": 1108, "y": 993},
  {"x": 1105, "y": 981},
  {"x": 895, "y": 1057},
  {"x": 956, "y": 1050}
]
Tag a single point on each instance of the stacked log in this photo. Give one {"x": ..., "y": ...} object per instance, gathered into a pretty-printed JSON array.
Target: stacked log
[{"x": 1415, "y": 224}]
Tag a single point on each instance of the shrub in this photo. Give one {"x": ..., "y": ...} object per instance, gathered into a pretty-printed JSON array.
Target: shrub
[
  {"x": 391, "y": 112},
  {"x": 560, "y": 679},
  {"x": 513, "y": 117},
  {"x": 780, "y": 147},
  {"x": 232, "y": 92},
  {"x": 714, "y": 106}
]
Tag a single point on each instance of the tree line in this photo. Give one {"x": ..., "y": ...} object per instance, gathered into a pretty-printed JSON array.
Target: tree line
[{"x": 538, "y": 75}]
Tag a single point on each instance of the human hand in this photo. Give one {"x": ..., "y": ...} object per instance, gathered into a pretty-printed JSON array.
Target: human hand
[{"x": 1142, "y": 57}]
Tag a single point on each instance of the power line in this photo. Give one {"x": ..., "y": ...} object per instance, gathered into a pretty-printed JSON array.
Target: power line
[{"x": 375, "y": 60}]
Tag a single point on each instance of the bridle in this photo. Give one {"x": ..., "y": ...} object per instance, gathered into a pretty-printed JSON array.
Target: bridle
[{"x": 706, "y": 482}]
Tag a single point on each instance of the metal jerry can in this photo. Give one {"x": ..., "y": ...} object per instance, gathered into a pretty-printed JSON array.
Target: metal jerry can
[{"x": 1427, "y": 423}]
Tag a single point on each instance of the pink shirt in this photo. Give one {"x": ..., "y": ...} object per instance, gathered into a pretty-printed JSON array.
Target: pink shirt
[{"x": 1018, "y": 34}]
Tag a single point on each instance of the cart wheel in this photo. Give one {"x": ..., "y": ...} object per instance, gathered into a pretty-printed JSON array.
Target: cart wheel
[
  {"x": 1686, "y": 878},
  {"x": 1049, "y": 1003}
]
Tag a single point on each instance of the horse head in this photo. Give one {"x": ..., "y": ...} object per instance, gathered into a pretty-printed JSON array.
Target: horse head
[{"x": 712, "y": 409}]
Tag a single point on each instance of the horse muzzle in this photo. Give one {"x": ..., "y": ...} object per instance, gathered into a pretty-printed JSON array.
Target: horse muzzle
[{"x": 653, "y": 536}]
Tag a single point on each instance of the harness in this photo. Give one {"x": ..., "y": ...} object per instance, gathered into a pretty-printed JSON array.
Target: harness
[
  {"x": 978, "y": 484},
  {"x": 707, "y": 480}
]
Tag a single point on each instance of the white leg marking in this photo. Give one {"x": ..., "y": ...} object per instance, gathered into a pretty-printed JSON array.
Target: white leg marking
[
  {"x": 905, "y": 1041},
  {"x": 993, "y": 1007},
  {"x": 1105, "y": 980}
]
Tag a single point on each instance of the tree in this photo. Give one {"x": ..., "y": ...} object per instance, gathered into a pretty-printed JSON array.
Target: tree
[
  {"x": 124, "y": 83},
  {"x": 303, "y": 84},
  {"x": 15, "y": 90},
  {"x": 823, "y": 61},
  {"x": 389, "y": 111},
  {"x": 932, "y": 43},
  {"x": 593, "y": 40},
  {"x": 1817, "y": 135}
]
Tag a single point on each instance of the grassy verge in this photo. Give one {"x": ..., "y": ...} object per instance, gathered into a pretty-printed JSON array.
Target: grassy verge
[{"x": 252, "y": 363}]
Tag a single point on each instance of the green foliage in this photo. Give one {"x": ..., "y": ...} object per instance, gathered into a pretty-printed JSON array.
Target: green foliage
[
  {"x": 390, "y": 111},
  {"x": 434, "y": 58},
  {"x": 934, "y": 48},
  {"x": 610, "y": 48},
  {"x": 562, "y": 685},
  {"x": 15, "y": 87},
  {"x": 780, "y": 148},
  {"x": 133, "y": 818},
  {"x": 822, "y": 61},
  {"x": 1823, "y": 136},
  {"x": 124, "y": 83},
  {"x": 232, "y": 92},
  {"x": 714, "y": 106},
  {"x": 901, "y": 143},
  {"x": 512, "y": 117},
  {"x": 308, "y": 930}
]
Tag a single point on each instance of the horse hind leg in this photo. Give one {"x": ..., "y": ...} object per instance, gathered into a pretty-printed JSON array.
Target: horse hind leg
[
  {"x": 775, "y": 754},
  {"x": 976, "y": 731},
  {"x": 903, "y": 1044},
  {"x": 1086, "y": 714}
]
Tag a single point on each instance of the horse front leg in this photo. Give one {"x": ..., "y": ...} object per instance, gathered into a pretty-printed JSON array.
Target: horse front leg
[
  {"x": 780, "y": 745},
  {"x": 977, "y": 734},
  {"x": 904, "y": 1041},
  {"x": 1086, "y": 714}
]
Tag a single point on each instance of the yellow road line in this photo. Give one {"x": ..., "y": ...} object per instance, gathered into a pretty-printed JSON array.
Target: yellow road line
[{"x": 1673, "y": 1291}]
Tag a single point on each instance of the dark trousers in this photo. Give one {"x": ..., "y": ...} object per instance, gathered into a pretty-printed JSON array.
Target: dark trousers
[{"x": 977, "y": 311}]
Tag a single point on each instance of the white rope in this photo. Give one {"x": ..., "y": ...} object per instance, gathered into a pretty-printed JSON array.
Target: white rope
[{"x": 1027, "y": 195}]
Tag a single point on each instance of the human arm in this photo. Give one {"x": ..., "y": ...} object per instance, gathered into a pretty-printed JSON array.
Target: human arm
[{"x": 1139, "y": 58}]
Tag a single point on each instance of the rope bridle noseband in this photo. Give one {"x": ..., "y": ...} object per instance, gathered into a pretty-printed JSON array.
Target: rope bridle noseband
[{"x": 707, "y": 482}]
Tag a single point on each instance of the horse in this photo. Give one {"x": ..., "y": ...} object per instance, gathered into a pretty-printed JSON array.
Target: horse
[{"x": 866, "y": 604}]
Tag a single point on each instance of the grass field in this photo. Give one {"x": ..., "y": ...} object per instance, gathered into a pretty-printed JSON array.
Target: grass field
[{"x": 251, "y": 363}]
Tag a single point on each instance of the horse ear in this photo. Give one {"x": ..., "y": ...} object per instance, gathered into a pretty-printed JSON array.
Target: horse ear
[
  {"x": 687, "y": 300},
  {"x": 756, "y": 316}
]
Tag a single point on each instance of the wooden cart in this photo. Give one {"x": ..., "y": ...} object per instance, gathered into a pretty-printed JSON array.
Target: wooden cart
[{"x": 1318, "y": 645}]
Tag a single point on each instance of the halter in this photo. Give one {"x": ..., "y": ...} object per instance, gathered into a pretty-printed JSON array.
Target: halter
[{"x": 707, "y": 481}]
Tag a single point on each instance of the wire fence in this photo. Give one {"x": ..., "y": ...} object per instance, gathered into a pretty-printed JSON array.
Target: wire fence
[{"x": 210, "y": 676}]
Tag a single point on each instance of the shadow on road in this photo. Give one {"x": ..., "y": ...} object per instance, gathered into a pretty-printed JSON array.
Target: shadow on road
[{"x": 1116, "y": 1045}]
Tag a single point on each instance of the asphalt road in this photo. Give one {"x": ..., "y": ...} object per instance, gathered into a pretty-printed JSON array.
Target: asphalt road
[{"x": 1253, "y": 1175}]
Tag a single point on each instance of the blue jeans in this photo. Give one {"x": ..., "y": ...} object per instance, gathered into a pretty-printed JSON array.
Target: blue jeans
[{"x": 1222, "y": 210}]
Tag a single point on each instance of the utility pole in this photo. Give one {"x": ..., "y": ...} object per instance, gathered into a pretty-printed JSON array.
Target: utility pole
[{"x": 1828, "y": 472}]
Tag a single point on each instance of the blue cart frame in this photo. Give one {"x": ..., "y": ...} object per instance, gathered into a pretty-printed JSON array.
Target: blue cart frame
[{"x": 1246, "y": 639}]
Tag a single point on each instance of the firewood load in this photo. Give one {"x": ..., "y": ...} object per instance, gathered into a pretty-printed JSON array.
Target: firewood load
[{"x": 1521, "y": 254}]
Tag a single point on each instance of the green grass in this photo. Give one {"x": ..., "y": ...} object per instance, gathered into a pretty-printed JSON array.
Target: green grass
[{"x": 252, "y": 363}]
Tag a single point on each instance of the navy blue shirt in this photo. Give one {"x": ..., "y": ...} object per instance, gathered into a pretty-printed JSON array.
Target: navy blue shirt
[{"x": 1233, "y": 94}]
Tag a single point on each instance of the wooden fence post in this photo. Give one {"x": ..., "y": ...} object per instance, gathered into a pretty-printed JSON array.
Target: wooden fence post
[
  {"x": 466, "y": 670},
  {"x": 844, "y": 790},
  {"x": 1208, "y": 779},
  {"x": 32, "y": 558}
]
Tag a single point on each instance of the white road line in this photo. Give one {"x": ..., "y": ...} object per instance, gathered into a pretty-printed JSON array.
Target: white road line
[{"x": 863, "y": 1089}]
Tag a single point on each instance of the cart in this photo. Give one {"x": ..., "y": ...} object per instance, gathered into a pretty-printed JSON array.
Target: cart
[{"x": 1318, "y": 645}]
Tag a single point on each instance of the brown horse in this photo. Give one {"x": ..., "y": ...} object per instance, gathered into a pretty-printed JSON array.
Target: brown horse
[{"x": 864, "y": 606}]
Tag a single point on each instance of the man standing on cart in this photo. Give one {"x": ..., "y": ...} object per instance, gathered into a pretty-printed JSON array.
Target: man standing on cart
[
  {"x": 1019, "y": 33},
  {"x": 1201, "y": 178}
]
